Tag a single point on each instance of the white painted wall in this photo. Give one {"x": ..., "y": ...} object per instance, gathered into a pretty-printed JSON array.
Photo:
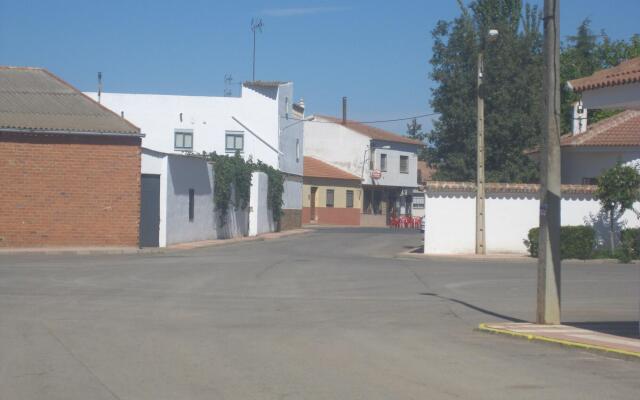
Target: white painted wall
[
  {"x": 614, "y": 97},
  {"x": 260, "y": 217},
  {"x": 178, "y": 174},
  {"x": 582, "y": 163},
  {"x": 184, "y": 173},
  {"x": 450, "y": 220},
  {"x": 392, "y": 176},
  {"x": 350, "y": 151},
  {"x": 337, "y": 145}
]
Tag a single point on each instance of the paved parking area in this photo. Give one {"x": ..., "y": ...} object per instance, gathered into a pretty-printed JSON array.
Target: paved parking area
[{"x": 326, "y": 315}]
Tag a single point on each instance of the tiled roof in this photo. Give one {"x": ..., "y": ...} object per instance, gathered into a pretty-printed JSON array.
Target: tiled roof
[
  {"x": 439, "y": 186},
  {"x": 315, "y": 168},
  {"x": 35, "y": 100},
  {"x": 620, "y": 130},
  {"x": 371, "y": 131},
  {"x": 625, "y": 73}
]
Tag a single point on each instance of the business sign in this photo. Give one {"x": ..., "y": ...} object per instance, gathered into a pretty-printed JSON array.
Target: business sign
[{"x": 376, "y": 174}]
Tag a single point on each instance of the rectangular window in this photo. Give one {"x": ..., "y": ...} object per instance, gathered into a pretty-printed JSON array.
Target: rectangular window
[
  {"x": 192, "y": 198},
  {"x": 329, "y": 197},
  {"x": 349, "y": 198},
  {"x": 404, "y": 164},
  {"x": 383, "y": 162},
  {"x": 183, "y": 140},
  {"x": 418, "y": 202},
  {"x": 297, "y": 150},
  {"x": 234, "y": 141}
]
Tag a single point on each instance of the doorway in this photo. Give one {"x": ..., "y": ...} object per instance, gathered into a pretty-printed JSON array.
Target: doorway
[
  {"x": 150, "y": 211},
  {"x": 312, "y": 201}
]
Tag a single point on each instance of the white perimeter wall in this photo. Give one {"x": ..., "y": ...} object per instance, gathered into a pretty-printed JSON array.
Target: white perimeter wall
[
  {"x": 292, "y": 194},
  {"x": 450, "y": 220},
  {"x": 180, "y": 173}
]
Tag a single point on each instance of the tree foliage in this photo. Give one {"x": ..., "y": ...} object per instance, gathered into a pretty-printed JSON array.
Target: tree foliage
[
  {"x": 232, "y": 175},
  {"x": 618, "y": 189},
  {"x": 511, "y": 89},
  {"x": 414, "y": 131}
]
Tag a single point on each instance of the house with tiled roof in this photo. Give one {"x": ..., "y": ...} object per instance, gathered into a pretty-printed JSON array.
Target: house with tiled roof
[
  {"x": 331, "y": 196},
  {"x": 385, "y": 163},
  {"x": 611, "y": 88},
  {"x": 590, "y": 150}
]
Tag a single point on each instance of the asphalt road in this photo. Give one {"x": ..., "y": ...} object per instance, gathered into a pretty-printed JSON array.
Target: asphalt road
[{"x": 327, "y": 315}]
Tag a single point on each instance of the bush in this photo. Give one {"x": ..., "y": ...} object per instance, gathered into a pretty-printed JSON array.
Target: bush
[
  {"x": 630, "y": 249},
  {"x": 575, "y": 242}
]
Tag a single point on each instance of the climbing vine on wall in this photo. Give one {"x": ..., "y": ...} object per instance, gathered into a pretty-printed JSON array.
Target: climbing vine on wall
[{"x": 233, "y": 176}]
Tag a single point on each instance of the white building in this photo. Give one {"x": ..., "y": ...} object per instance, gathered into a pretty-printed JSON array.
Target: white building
[
  {"x": 262, "y": 124},
  {"x": 385, "y": 162}
]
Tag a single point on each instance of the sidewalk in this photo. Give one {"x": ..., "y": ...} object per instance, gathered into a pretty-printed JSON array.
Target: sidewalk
[
  {"x": 218, "y": 242},
  {"x": 136, "y": 250},
  {"x": 569, "y": 336}
]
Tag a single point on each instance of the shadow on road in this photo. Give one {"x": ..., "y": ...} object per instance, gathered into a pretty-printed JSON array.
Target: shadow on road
[{"x": 476, "y": 308}]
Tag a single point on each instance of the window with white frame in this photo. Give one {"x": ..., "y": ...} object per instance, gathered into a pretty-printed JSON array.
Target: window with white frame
[
  {"x": 404, "y": 164},
  {"x": 297, "y": 150},
  {"x": 383, "y": 162},
  {"x": 418, "y": 202},
  {"x": 183, "y": 139},
  {"x": 234, "y": 141}
]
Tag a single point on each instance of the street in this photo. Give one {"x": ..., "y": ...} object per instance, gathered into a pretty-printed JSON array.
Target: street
[{"x": 332, "y": 314}]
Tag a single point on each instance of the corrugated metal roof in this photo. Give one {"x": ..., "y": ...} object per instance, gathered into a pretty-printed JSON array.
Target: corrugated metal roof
[{"x": 35, "y": 100}]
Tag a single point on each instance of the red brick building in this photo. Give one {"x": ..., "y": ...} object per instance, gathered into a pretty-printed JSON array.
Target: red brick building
[{"x": 69, "y": 168}]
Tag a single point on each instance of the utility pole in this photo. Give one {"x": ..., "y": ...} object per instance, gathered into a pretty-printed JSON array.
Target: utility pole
[
  {"x": 549, "y": 264},
  {"x": 256, "y": 25},
  {"x": 480, "y": 232}
]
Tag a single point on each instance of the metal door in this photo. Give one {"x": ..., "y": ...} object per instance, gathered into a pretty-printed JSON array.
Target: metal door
[
  {"x": 314, "y": 190},
  {"x": 150, "y": 211}
]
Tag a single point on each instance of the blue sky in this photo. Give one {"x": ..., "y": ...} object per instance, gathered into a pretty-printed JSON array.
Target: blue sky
[{"x": 374, "y": 52}]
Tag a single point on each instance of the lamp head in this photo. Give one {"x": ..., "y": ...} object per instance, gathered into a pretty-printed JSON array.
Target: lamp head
[{"x": 493, "y": 35}]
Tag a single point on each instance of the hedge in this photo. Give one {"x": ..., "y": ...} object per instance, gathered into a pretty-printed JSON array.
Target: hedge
[
  {"x": 575, "y": 242},
  {"x": 630, "y": 239}
]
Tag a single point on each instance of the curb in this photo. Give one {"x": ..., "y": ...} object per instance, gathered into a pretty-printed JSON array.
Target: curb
[
  {"x": 153, "y": 250},
  {"x": 628, "y": 355}
]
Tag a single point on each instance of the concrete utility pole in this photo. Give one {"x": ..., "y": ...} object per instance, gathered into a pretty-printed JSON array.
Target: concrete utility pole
[
  {"x": 548, "y": 307},
  {"x": 480, "y": 232}
]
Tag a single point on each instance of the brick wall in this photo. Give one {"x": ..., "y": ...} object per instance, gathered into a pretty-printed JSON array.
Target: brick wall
[
  {"x": 333, "y": 216},
  {"x": 69, "y": 190}
]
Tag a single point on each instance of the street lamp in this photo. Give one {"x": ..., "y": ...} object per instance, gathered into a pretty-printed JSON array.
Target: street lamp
[{"x": 481, "y": 247}]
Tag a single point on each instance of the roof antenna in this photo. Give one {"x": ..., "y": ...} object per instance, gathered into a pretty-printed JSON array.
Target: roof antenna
[
  {"x": 228, "y": 78},
  {"x": 256, "y": 25},
  {"x": 99, "y": 86}
]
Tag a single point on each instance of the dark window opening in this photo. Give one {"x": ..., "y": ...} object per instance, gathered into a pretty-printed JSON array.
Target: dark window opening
[
  {"x": 330, "y": 197},
  {"x": 192, "y": 195},
  {"x": 349, "y": 198}
]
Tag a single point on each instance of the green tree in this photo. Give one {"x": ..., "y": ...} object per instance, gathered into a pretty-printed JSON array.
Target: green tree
[
  {"x": 617, "y": 191},
  {"x": 512, "y": 91},
  {"x": 414, "y": 131}
]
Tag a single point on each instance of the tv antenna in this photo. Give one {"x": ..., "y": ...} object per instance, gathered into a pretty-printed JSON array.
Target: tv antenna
[
  {"x": 228, "y": 78},
  {"x": 256, "y": 25}
]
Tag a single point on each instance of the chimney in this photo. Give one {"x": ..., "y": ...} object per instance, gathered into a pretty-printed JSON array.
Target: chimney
[
  {"x": 579, "y": 124},
  {"x": 344, "y": 110}
]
